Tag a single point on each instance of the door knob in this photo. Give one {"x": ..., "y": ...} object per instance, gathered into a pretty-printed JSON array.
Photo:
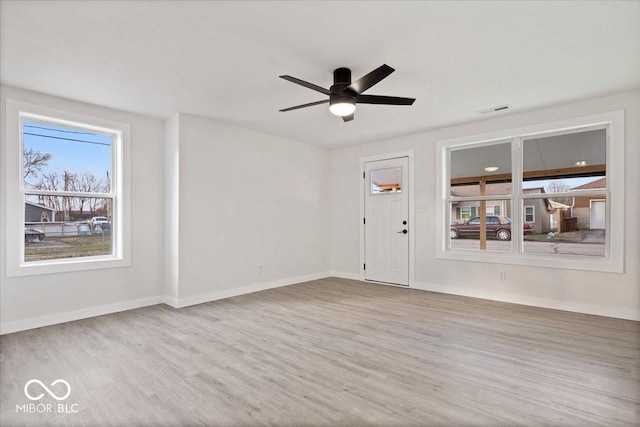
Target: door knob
[{"x": 403, "y": 232}]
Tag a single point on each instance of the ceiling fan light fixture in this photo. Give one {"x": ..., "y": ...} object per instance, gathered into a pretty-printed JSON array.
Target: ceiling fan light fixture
[{"x": 342, "y": 108}]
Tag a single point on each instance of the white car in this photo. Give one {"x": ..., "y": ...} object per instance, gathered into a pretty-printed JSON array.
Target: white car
[{"x": 99, "y": 220}]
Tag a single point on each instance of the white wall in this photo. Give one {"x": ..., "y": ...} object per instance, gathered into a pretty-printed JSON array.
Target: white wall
[
  {"x": 33, "y": 301},
  {"x": 245, "y": 199},
  {"x": 597, "y": 293},
  {"x": 210, "y": 203},
  {"x": 271, "y": 201}
]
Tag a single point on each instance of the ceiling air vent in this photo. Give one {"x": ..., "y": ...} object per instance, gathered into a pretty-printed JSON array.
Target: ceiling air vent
[{"x": 494, "y": 109}]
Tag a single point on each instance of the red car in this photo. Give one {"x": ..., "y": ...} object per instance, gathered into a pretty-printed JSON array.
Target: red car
[{"x": 497, "y": 226}]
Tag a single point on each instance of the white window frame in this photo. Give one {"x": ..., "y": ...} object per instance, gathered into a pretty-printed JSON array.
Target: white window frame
[
  {"x": 613, "y": 261},
  {"x": 16, "y": 112},
  {"x": 533, "y": 213}
]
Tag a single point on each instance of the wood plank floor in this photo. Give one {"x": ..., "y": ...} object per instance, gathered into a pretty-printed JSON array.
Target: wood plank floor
[{"x": 331, "y": 352}]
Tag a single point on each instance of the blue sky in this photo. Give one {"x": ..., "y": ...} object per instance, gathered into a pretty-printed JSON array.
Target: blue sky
[
  {"x": 74, "y": 150},
  {"x": 570, "y": 182}
]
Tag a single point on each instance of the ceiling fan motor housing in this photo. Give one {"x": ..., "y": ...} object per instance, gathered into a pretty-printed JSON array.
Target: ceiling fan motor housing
[
  {"x": 342, "y": 75},
  {"x": 341, "y": 80}
]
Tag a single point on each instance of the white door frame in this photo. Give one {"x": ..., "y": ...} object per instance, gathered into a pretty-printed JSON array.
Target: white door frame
[{"x": 412, "y": 242}]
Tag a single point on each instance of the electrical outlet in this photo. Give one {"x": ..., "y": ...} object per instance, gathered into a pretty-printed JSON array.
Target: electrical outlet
[
  {"x": 259, "y": 268},
  {"x": 502, "y": 276}
]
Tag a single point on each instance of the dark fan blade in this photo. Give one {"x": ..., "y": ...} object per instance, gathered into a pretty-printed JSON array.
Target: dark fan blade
[
  {"x": 364, "y": 83},
  {"x": 379, "y": 99},
  {"x": 347, "y": 118},
  {"x": 307, "y": 84},
  {"x": 311, "y": 104}
]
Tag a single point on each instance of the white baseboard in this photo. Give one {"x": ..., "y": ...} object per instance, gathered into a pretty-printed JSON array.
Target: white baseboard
[
  {"x": 343, "y": 275},
  {"x": 38, "y": 322},
  {"x": 170, "y": 301},
  {"x": 232, "y": 292},
  {"x": 532, "y": 301},
  {"x": 575, "y": 307}
]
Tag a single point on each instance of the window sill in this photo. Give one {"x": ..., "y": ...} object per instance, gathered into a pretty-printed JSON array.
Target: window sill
[
  {"x": 534, "y": 260},
  {"x": 65, "y": 266}
]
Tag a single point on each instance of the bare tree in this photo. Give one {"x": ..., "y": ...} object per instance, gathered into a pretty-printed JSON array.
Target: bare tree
[
  {"x": 34, "y": 161},
  {"x": 50, "y": 181},
  {"x": 98, "y": 186},
  {"x": 559, "y": 187},
  {"x": 87, "y": 182}
]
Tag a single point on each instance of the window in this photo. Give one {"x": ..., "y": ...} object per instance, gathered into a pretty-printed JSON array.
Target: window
[
  {"x": 386, "y": 181},
  {"x": 529, "y": 214},
  {"x": 569, "y": 168},
  {"x": 66, "y": 174},
  {"x": 550, "y": 186},
  {"x": 465, "y": 213},
  {"x": 473, "y": 183}
]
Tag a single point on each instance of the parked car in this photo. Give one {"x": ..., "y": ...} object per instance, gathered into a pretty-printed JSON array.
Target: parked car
[
  {"x": 497, "y": 226},
  {"x": 32, "y": 234},
  {"x": 99, "y": 220}
]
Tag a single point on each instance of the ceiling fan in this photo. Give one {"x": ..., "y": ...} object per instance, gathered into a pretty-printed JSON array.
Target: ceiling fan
[{"x": 344, "y": 95}]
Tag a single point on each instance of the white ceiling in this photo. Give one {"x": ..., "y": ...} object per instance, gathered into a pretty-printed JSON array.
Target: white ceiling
[{"x": 222, "y": 59}]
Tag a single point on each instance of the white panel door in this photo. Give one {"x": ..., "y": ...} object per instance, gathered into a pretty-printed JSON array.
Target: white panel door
[
  {"x": 598, "y": 215},
  {"x": 386, "y": 221}
]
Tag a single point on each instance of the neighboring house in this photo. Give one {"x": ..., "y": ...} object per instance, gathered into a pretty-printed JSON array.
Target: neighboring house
[
  {"x": 538, "y": 212},
  {"x": 463, "y": 211},
  {"x": 542, "y": 213},
  {"x": 591, "y": 211},
  {"x": 34, "y": 212}
]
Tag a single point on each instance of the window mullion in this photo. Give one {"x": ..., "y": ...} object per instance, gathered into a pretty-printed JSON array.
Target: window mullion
[
  {"x": 479, "y": 198},
  {"x": 516, "y": 191},
  {"x": 578, "y": 193},
  {"x": 68, "y": 194}
]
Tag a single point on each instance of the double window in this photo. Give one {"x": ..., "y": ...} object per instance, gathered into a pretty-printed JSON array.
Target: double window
[
  {"x": 548, "y": 195},
  {"x": 67, "y": 205}
]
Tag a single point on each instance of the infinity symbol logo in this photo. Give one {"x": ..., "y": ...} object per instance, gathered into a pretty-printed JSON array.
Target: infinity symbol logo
[{"x": 52, "y": 394}]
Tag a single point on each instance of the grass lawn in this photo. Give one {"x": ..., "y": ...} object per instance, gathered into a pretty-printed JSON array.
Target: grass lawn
[
  {"x": 580, "y": 236},
  {"x": 68, "y": 247}
]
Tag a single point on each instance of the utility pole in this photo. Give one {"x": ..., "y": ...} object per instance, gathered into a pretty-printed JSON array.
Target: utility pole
[{"x": 67, "y": 205}]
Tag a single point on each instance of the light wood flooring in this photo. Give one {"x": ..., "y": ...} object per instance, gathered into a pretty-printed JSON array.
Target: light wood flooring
[{"x": 331, "y": 352}]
